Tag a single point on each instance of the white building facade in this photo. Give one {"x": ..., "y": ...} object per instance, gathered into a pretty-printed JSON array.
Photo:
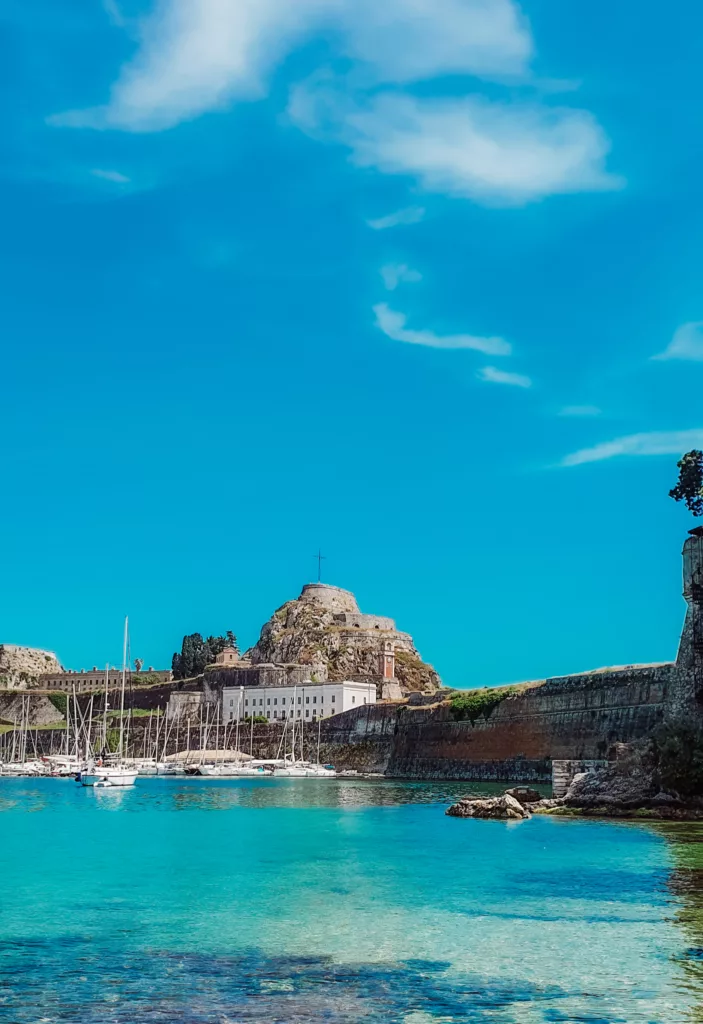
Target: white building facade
[{"x": 305, "y": 702}]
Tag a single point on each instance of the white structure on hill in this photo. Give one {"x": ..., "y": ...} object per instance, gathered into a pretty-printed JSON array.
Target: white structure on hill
[{"x": 307, "y": 702}]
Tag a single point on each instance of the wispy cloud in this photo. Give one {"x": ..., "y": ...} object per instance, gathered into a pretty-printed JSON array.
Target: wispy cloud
[
  {"x": 580, "y": 411},
  {"x": 408, "y": 215},
  {"x": 394, "y": 274},
  {"x": 196, "y": 55},
  {"x": 112, "y": 9},
  {"x": 393, "y": 326},
  {"x": 495, "y": 376},
  {"x": 119, "y": 179},
  {"x": 687, "y": 343},
  {"x": 492, "y": 152},
  {"x": 673, "y": 442}
]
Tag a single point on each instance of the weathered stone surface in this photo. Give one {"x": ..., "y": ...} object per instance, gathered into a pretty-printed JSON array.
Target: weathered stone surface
[
  {"x": 497, "y": 807},
  {"x": 21, "y": 667},
  {"x": 524, "y": 795},
  {"x": 34, "y": 709},
  {"x": 324, "y": 630},
  {"x": 624, "y": 784}
]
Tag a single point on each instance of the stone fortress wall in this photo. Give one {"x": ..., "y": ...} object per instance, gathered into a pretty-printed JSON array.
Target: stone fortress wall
[{"x": 572, "y": 718}]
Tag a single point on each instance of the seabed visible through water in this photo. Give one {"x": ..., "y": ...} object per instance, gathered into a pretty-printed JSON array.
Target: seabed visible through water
[{"x": 338, "y": 901}]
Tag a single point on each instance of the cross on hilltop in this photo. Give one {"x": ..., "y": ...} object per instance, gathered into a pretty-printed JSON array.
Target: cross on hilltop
[{"x": 320, "y": 559}]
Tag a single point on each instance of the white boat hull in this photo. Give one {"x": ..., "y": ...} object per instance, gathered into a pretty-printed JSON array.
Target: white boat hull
[{"x": 108, "y": 777}]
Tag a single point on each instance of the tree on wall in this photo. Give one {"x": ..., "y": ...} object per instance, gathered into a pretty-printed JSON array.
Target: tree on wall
[
  {"x": 196, "y": 653},
  {"x": 689, "y": 487}
]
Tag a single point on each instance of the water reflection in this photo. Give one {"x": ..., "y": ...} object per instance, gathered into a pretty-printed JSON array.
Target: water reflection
[
  {"x": 203, "y": 794},
  {"x": 685, "y": 884}
]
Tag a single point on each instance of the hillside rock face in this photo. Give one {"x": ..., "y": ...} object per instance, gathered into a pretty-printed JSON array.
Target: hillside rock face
[
  {"x": 20, "y": 667},
  {"x": 324, "y": 629},
  {"x": 16, "y": 708}
]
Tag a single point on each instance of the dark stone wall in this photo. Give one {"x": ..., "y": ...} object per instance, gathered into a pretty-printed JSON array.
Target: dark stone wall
[{"x": 571, "y": 718}]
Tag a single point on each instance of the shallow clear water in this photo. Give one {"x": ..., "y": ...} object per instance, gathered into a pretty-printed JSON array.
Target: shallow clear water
[{"x": 337, "y": 901}]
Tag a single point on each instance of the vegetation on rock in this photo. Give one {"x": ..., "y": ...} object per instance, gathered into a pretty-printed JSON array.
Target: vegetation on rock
[
  {"x": 689, "y": 487},
  {"x": 473, "y": 704},
  {"x": 59, "y": 700},
  {"x": 677, "y": 750}
]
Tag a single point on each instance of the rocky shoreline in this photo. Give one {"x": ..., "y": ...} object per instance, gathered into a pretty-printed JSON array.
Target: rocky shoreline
[{"x": 626, "y": 789}]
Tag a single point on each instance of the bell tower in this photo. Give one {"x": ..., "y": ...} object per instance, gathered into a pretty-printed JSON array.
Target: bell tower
[{"x": 387, "y": 661}]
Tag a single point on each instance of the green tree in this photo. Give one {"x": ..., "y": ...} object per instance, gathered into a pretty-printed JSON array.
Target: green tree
[
  {"x": 196, "y": 653},
  {"x": 689, "y": 487}
]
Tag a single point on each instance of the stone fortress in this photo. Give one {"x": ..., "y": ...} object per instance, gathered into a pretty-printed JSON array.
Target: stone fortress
[{"x": 322, "y": 636}]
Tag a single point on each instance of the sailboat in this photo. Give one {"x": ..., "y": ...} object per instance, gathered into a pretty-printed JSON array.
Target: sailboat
[{"x": 117, "y": 773}]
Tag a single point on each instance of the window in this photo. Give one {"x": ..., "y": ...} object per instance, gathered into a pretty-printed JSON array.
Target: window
[
  {"x": 275, "y": 700},
  {"x": 246, "y": 703},
  {"x": 261, "y": 702},
  {"x": 268, "y": 700},
  {"x": 298, "y": 714},
  {"x": 333, "y": 698},
  {"x": 314, "y": 700},
  {"x": 322, "y": 698},
  {"x": 283, "y": 700},
  {"x": 307, "y": 712},
  {"x": 307, "y": 700},
  {"x": 299, "y": 699},
  {"x": 231, "y": 703},
  {"x": 275, "y": 714},
  {"x": 364, "y": 700},
  {"x": 353, "y": 700}
]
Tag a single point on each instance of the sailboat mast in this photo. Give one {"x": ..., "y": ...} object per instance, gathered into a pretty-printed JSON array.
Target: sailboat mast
[{"x": 124, "y": 679}]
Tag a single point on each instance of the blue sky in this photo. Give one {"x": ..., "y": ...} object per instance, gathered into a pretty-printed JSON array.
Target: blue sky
[{"x": 417, "y": 282}]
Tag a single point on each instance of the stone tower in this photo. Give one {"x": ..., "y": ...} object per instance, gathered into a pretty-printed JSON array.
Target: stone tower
[
  {"x": 387, "y": 660},
  {"x": 687, "y": 693}
]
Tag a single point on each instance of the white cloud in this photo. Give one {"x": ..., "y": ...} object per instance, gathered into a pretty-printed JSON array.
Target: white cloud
[
  {"x": 394, "y": 274},
  {"x": 408, "y": 40},
  {"x": 580, "y": 410},
  {"x": 393, "y": 326},
  {"x": 408, "y": 215},
  {"x": 673, "y": 442},
  {"x": 201, "y": 55},
  {"x": 687, "y": 343},
  {"x": 196, "y": 55},
  {"x": 470, "y": 147},
  {"x": 119, "y": 179},
  {"x": 495, "y": 376}
]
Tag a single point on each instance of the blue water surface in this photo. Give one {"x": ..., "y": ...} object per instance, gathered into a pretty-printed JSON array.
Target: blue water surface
[{"x": 340, "y": 901}]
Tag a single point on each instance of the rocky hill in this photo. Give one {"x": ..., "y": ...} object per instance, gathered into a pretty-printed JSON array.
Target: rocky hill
[
  {"x": 20, "y": 667},
  {"x": 323, "y": 628}
]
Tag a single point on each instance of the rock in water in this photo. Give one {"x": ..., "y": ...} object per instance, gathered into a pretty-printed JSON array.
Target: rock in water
[
  {"x": 524, "y": 795},
  {"x": 506, "y": 807}
]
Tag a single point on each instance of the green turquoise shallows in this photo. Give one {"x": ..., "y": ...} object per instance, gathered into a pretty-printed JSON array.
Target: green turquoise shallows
[{"x": 342, "y": 901}]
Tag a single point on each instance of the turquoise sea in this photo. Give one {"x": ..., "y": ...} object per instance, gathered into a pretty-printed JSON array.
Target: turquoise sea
[{"x": 336, "y": 901}]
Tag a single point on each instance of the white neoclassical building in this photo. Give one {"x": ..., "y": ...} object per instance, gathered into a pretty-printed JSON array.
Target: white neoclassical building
[{"x": 305, "y": 702}]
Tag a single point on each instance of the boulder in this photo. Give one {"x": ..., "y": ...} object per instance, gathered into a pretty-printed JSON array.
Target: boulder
[
  {"x": 524, "y": 795},
  {"x": 619, "y": 785},
  {"x": 505, "y": 807}
]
